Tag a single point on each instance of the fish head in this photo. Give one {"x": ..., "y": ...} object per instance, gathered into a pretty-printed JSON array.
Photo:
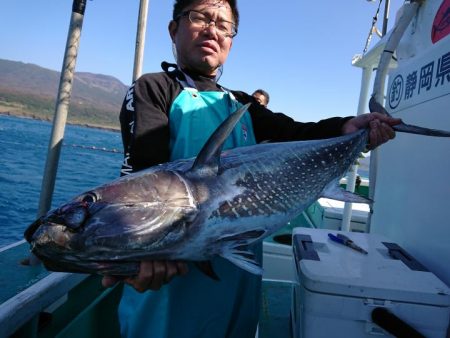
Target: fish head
[
  {"x": 60, "y": 225},
  {"x": 132, "y": 215}
]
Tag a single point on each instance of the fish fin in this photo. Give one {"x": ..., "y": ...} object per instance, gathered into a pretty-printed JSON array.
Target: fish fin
[
  {"x": 207, "y": 268},
  {"x": 247, "y": 237},
  {"x": 208, "y": 160},
  {"x": 244, "y": 259},
  {"x": 411, "y": 129},
  {"x": 374, "y": 105},
  {"x": 335, "y": 192},
  {"x": 236, "y": 250}
]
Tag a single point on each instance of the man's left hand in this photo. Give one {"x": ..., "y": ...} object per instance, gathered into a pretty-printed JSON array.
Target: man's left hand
[{"x": 380, "y": 127}]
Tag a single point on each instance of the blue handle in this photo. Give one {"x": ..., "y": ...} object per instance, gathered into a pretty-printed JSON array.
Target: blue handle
[{"x": 336, "y": 239}]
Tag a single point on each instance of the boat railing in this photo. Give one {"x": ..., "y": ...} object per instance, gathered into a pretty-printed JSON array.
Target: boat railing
[{"x": 37, "y": 303}]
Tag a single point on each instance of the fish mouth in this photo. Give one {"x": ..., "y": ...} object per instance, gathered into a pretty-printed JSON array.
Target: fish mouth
[
  {"x": 32, "y": 228},
  {"x": 49, "y": 230},
  {"x": 71, "y": 216}
]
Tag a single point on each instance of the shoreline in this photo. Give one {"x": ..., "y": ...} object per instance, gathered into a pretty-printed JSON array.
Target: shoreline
[{"x": 80, "y": 124}]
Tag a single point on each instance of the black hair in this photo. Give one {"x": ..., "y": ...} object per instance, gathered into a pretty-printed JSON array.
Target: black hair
[
  {"x": 262, "y": 92},
  {"x": 180, "y": 5}
]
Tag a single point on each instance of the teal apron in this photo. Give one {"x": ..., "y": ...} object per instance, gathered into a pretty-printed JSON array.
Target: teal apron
[{"x": 195, "y": 305}]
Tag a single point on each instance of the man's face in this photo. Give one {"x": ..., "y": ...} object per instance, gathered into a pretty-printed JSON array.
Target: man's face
[
  {"x": 202, "y": 49},
  {"x": 260, "y": 98}
]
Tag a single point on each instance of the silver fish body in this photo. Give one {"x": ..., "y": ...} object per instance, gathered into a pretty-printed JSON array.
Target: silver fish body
[
  {"x": 216, "y": 204},
  {"x": 172, "y": 212}
]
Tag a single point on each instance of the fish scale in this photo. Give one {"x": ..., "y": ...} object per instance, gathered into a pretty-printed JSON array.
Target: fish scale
[{"x": 295, "y": 175}]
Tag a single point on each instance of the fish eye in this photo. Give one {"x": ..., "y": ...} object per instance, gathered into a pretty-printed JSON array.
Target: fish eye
[
  {"x": 90, "y": 197},
  {"x": 75, "y": 218}
]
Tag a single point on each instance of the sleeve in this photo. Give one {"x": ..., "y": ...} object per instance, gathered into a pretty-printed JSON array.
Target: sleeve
[
  {"x": 278, "y": 127},
  {"x": 144, "y": 122}
]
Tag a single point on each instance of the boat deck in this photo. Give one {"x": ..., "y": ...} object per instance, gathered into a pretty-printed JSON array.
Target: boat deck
[{"x": 275, "y": 310}]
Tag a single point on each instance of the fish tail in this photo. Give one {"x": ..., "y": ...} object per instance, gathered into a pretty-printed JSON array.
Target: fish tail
[
  {"x": 374, "y": 105},
  {"x": 411, "y": 129}
]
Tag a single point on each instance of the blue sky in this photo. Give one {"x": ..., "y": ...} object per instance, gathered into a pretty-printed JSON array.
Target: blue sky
[{"x": 299, "y": 51}]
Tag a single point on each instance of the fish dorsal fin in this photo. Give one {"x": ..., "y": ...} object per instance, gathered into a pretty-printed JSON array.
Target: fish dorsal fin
[{"x": 208, "y": 160}]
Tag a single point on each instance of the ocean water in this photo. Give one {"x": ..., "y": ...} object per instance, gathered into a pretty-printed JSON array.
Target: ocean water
[{"x": 89, "y": 157}]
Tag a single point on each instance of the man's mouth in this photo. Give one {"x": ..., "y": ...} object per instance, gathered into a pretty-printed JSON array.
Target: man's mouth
[{"x": 206, "y": 45}]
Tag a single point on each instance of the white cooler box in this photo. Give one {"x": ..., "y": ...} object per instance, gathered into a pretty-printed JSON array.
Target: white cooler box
[
  {"x": 338, "y": 288},
  {"x": 327, "y": 214}
]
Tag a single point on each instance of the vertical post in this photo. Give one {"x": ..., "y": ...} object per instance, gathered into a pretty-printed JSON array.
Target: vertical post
[
  {"x": 62, "y": 106},
  {"x": 374, "y": 154},
  {"x": 386, "y": 17},
  {"x": 409, "y": 12},
  {"x": 351, "y": 176},
  {"x": 140, "y": 39}
]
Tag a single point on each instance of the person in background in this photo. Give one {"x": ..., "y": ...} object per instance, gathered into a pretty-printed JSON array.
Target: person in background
[
  {"x": 169, "y": 115},
  {"x": 358, "y": 182},
  {"x": 261, "y": 96}
]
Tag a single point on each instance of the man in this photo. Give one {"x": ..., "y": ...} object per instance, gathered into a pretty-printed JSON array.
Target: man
[
  {"x": 262, "y": 97},
  {"x": 170, "y": 115}
]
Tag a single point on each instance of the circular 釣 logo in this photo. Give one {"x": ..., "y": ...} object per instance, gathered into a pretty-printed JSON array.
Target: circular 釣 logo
[
  {"x": 441, "y": 23},
  {"x": 396, "y": 92}
]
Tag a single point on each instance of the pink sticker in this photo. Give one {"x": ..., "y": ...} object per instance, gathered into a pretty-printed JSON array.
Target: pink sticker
[{"x": 441, "y": 23}]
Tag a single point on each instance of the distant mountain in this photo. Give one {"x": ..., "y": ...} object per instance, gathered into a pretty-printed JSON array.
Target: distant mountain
[{"x": 30, "y": 90}]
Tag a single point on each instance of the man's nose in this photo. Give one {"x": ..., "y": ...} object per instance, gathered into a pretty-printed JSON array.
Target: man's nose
[{"x": 211, "y": 28}]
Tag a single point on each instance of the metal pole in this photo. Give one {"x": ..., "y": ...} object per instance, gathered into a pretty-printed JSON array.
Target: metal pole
[
  {"x": 410, "y": 10},
  {"x": 140, "y": 39},
  {"x": 386, "y": 17},
  {"x": 62, "y": 106},
  {"x": 351, "y": 176}
]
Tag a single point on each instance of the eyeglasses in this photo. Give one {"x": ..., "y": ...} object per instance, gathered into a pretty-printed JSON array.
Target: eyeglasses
[{"x": 223, "y": 27}]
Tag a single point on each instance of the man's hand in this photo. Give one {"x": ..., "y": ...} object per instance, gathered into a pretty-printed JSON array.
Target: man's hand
[
  {"x": 380, "y": 127},
  {"x": 152, "y": 275}
]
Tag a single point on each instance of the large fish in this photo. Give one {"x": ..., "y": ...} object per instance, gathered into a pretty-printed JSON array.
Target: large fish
[{"x": 216, "y": 204}]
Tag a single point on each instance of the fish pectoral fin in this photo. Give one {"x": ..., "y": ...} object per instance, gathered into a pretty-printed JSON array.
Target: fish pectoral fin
[
  {"x": 207, "y": 268},
  {"x": 336, "y": 192},
  {"x": 244, "y": 259}
]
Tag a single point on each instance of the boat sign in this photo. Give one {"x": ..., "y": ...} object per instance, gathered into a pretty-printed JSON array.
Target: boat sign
[
  {"x": 426, "y": 76},
  {"x": 424, "y": 79}
]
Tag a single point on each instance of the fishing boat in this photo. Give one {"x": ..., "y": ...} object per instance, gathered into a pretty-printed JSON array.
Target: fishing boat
[{"x": 408, "y": 182}]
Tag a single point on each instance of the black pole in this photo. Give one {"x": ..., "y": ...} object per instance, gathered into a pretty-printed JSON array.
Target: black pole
[
  {"x": 386, "y": 17},
  {"x": 79, "y": 6}
]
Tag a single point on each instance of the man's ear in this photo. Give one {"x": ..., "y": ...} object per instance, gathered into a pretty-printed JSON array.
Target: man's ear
[{"x": 173, "y": 26}]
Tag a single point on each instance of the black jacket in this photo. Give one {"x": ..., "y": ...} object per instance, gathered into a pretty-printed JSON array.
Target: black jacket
[{"x": 145, "y": 126}]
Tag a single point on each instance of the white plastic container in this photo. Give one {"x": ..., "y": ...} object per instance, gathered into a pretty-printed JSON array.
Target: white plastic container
[{"x": 338, "y": 288}]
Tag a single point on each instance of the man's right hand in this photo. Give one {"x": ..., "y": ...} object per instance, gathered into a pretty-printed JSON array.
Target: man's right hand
[{"x": 152, "y": 275}]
